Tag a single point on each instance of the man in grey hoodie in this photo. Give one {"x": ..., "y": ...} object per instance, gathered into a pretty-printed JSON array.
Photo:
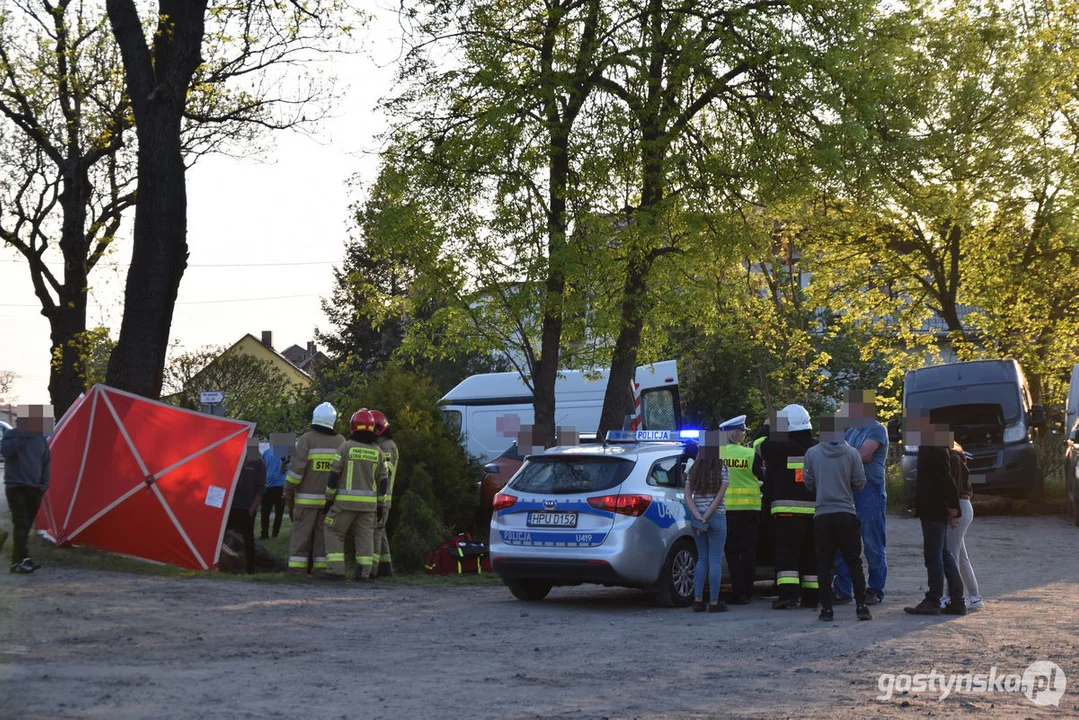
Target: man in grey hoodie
[{"x": 834, "y": 471}]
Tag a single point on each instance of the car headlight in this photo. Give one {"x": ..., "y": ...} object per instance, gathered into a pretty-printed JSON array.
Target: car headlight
[{"x": 1016, "y": 432}]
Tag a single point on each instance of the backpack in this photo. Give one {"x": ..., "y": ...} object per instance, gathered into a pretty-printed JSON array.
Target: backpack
[{"x": 460, "y": 555}]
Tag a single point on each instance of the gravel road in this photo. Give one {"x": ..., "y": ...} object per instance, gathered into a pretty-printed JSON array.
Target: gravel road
[{"x": 86, "y": 644}]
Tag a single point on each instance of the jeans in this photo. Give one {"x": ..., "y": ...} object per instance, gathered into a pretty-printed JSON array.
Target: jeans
[
  {"x": 23, "y": 501},
  {"x": 839, "y": 532},
  {"x": 871, "y": 505},
  {"x": 957, "y": 545},
  {"x": 272, "y": 500},
  {"x": 940, "y": 563},
  {"x": 710, "y": 557}
]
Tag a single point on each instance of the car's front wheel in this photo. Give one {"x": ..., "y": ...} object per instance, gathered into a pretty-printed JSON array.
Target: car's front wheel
[
  {"x": 529, "y": 590},
  {"x": 676, "y": 581}
]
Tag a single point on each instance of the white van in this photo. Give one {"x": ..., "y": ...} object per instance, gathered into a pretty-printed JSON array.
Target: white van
[
  {"x": 1072, "y": 409},
  {"x": 490, "y": 409}
]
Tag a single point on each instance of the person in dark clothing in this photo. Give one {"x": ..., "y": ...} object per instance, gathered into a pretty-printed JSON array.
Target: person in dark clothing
[
  {"x": 833, "y": 470},
  {"x": 250, "y": 488},
  {"x": 791, "y": 507},
  {"x": 26, "y": 477},
  {"x": 936, "y": 503}
]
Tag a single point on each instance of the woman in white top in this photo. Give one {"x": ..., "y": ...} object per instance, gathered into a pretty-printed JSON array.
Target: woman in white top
[{"x": 706, "y": 487}]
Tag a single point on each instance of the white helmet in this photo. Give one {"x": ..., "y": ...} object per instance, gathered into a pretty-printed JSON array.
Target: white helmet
[
  {"x": 797, "y": 418},
  {"x": 324, "y": 416}
]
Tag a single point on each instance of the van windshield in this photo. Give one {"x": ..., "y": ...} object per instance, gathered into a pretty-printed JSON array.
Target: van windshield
[
  {"x": 1004, "y": 394},
  {"x": 571, "y": 474}
]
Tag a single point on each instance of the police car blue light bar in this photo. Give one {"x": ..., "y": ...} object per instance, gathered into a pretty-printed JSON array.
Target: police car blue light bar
[{"x": 637, "y": 436}]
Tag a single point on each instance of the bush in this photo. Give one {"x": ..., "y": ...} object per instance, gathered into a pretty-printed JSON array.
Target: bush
[{"x": 417, "y": 530}]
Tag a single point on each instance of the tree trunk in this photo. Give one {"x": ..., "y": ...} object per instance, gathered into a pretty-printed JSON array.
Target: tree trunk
[
  {"x": 624, "y": 359},
  {"x": 66, "y": 373},
  {"x": 157, "y": 82},
  {"x": 159, "y": 257}
]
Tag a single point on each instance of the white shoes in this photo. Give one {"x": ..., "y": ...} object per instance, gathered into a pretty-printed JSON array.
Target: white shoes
[{"x": 974, "y": 602}]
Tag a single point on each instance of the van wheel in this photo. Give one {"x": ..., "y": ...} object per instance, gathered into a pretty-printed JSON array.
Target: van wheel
[
  {"x": 676, "y": 580},
  {"x": 529, "y": 590}
]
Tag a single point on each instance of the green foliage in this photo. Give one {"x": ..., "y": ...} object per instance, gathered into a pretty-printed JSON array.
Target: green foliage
[
  {"x": 92, "y": 349},
  {"x": 254, "y": 389},
  {"x": 416, "y": 531}
]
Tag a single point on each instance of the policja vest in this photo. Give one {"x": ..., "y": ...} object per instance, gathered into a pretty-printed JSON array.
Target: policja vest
[{"x": 744, "y": 492}]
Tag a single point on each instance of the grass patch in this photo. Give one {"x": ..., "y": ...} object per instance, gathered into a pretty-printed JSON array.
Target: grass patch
[{"x": 86, "y": 558}]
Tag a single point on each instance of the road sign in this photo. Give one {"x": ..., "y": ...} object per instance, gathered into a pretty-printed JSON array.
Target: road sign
[{"x": 211, "y": 397}]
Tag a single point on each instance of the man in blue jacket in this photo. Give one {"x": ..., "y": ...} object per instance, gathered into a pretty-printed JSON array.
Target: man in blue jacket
[
  {"x": 277, "y": 458},
  {"x": 26, "y": 476},
  {"x": 870, "y": 439}
]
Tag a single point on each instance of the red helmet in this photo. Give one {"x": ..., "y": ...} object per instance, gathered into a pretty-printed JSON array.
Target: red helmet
[
  {"x": 381, "y": 421},
  {"x": 362, "y": 420}
]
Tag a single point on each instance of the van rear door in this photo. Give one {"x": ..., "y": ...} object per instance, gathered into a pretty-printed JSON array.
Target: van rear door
[{"x": 661, "y": 407}]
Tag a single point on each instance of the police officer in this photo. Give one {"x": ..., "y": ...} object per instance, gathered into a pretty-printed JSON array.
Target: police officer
[
  {"x": 381, "y": 560},
  {"x": 743, "y": 509},
  {"x": 305, "y": 489},
  {"x": 792, "y": 507},
  {"x": 355, "y": 493}
]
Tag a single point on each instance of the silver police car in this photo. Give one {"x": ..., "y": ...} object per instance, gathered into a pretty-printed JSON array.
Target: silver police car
[{"x": 611, "y": 513}]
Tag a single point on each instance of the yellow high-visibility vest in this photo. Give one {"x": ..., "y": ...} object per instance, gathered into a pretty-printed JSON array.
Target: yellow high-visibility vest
[{"x": 743, "y": 492}]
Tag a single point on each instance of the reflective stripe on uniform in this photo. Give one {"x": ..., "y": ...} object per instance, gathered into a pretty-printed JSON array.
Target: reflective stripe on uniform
[
  {"x": 296, "y": 561},
  {"x": 363, "y": 559},
  {"x": 797, "y": 507},
  {"x": 335, "y": 557},
  {"x": 787, "y": 581},
  {"x": 320, "y": 565},
  {"x": 310, "y": 499},
  {"x": 292, "y": 478},
  {"x": 809, "y": 582}
]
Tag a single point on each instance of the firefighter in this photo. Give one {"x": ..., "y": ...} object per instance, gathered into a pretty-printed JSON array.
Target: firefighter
[
  {"x": 305, "y": 490},
  {"x": 743, "y": 509},
  {"x": 792, "y": 507},
  {"x": 381, "y": 559},
  {"x": 355, "y": 493}
]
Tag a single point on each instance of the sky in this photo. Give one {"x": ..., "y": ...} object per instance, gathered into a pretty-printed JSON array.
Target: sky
[{"x": 252, "y": 223}]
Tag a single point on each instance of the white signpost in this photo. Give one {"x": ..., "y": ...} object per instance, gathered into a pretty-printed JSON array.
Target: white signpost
[{"x": 211, "y": 400}]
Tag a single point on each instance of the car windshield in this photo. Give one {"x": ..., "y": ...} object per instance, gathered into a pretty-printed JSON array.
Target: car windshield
[
  {"x": 512, "y": 453},
  {"x": 571, "y": 474},
  {"x": 1004, "y": 394}
]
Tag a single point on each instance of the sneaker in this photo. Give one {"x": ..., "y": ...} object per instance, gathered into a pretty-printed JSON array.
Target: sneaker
[
  {"x": 826, "y": 614},
  {"x": 788, "y": 604},
  {"x": 33, "y": 565},
  {"x": 838, "y": 599},
  {"x": 699, "y": 606},
  {"x": 873, "y": 598},
  {"x": 25, "y": 567},
  {"x": 718, "y": 606},
  {"x": 974, "y": 602},
  {"x": 925, "y": 607},
  {"x": 955, "y": 608},
  {"x": 863, "y": 613}
]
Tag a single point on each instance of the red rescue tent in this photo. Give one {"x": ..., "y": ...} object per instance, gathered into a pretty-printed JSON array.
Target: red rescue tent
[{"x": 142, "y": 478}]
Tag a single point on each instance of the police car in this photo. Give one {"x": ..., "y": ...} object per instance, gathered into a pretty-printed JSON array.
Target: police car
[{"x": 611, "y": 513}]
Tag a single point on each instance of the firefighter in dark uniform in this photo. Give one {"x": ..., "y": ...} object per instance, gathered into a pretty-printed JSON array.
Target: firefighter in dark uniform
[{"x": 791, "y": 506}]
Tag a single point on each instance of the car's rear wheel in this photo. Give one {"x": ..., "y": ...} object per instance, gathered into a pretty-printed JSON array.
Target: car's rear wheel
[
  {"x": 529, "y": 590},
  {"x": 676, "y": 580}
]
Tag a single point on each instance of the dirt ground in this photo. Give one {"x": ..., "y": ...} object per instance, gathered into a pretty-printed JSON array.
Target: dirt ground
[{"x": 87, "y": 643}]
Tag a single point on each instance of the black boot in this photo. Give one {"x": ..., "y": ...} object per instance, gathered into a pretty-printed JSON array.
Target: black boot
[{"x": 385, "y": 569}]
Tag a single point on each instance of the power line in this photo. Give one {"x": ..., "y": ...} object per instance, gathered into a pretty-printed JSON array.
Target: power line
[
  {"x": 197, "y": 265},
  {"x": 200, "y": 302}
]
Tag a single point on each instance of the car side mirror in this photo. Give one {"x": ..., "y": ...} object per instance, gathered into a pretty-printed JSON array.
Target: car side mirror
[
  {"x": 1038, "y": 418},
  {"x": 491, "y": 468}
]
